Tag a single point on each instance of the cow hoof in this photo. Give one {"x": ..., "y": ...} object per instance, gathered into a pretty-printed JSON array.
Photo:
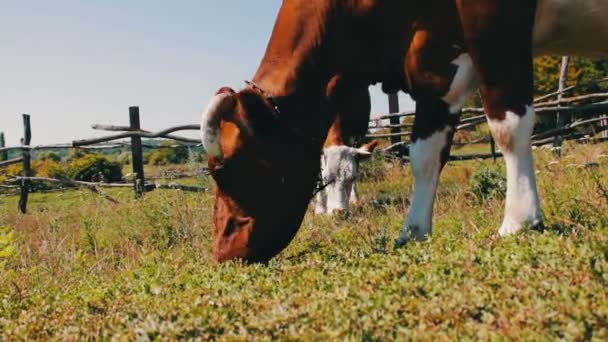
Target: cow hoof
[
  {"x": 510, "y": 227},
  {"x": 539, "y": 227},
  {"x": 404, "y": 238},
  {"x": 400, "y": 242}
]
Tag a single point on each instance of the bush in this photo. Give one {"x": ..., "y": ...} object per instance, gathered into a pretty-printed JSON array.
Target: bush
[
  {"x": 124, "y": 158},
  {"x": 50, "y": 155},
  {"x": 94, "y": 168},
  {"x": 167, "y": 156},
  {"x": 488, "y": 183},
  {"x": 75, "y": 154},
  {"x": 50, "y": 169},
  {"x": 47, "y": 168}
]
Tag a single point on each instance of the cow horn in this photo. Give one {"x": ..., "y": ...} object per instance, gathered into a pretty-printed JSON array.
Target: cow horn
[{"x": 223, "y": 102}]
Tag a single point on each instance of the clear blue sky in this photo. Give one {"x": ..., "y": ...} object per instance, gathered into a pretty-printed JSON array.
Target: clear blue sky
[{"x": 73, "y": 63}]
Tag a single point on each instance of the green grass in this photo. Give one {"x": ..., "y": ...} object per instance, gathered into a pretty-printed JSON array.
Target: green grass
[
  {"x": 79, "y": 267},
  {"x": 472, "y": 148}
]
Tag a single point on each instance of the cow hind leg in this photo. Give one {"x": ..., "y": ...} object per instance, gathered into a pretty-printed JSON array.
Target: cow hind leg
[
  {"x": 513, "y": 137},
  {"x": 354, "y": 195},
  {"x": 501, "y": 50}
]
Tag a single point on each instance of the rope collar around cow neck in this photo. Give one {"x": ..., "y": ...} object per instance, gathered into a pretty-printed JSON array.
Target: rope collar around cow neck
[
  {"x": 279, "y": 115},
  {"x": 270, "y": 99}
]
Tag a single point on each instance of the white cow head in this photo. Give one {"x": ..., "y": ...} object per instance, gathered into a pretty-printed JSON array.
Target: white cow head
[{"x": 339, "y": 171}]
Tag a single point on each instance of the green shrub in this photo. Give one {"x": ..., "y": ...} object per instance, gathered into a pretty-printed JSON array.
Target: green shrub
[
  {"x": 75, "y": 154},
  {"x": 124, "y": 158},
  {"x": 165, "y": 156},
  {"x": 8, "y": 248},
  {"x": 372, "y": 169},
  {"x": 49, "y": 155},
  {"x": 93, "y": 168},
  {"x": 47, "y": 168},
  {"x": 488, "y": 183}
]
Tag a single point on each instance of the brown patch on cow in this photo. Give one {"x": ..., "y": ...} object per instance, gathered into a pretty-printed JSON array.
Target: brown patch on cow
[
  {"x": 498, "y": 36},
  {"x": 231, "y": 232},
  {"x": 230, "y": 137},
  {"x": 350, "y": 105}
]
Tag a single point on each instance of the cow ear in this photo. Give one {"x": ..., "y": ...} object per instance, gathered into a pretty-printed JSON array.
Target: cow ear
[
  {"x": 370, "y": 146},
  {"x": 359, "y": 153},
  {"x": 365, "y": 151}
]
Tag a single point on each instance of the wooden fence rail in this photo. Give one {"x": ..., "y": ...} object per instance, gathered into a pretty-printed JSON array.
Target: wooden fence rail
[
  {"x": 71, "y": 182},
  {"x": 11, "y": 162},
  {"x": 133, "y": 131},
  {"x": 124, "y": 144},
  {"x": 143, "y": 134}
]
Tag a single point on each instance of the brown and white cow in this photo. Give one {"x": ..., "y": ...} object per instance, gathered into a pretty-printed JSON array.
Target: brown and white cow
[
  {"x": 340, "y": 158},
  {"x": 264, "y": 141}
]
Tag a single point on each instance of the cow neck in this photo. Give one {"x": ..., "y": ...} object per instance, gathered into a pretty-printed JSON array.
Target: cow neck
[{"x": 299, "y": 107}]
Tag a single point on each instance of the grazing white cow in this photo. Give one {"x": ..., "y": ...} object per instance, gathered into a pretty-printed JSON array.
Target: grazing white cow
[
  {"x": 350, "y": 105},
  {"x": 339, "y": 172}
]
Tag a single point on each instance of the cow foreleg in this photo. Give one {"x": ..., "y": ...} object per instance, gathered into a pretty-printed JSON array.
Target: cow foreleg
[
  {"x": 321, "y": 203},
  {"x": 434, "y": 126},
  {"x": 354, "y": 195}
]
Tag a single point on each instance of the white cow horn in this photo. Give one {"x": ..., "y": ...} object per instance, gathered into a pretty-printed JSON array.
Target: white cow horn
[{"x": 223, "y": 102}]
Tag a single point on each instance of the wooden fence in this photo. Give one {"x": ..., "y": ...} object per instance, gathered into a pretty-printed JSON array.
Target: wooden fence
[
  {"x": 565, "y": 106},
  {"x": 133, "y": 132},
  {"x": 395, "y": 130}
]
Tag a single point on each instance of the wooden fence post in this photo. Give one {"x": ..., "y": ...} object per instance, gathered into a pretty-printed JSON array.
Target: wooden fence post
[
  {"x": 493, "y": 147},
  {"x": 393, "y": 108},
  {"x": 3, "y": 154},
  {"x": 137, "y": 153},
  {"x": 562, "y": 118},
  {"x": 27, "y": 168}
]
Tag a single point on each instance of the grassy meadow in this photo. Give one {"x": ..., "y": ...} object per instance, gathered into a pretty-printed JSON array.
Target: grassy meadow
[{"x": 80, "y": 267}]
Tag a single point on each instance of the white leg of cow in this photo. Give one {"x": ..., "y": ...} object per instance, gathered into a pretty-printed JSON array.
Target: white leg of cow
[
  {"x": 425, "y": 154},
  {"x": 321, "y": 203},
  {"x": 321, "y": 197},
  {"x": 354, "y": 196},
  {"x": 425, "y": 157},
  {"x": 513, "y": 136}
]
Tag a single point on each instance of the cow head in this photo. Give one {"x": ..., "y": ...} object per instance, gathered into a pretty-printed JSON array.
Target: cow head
[
  {"x": 265, "y": 171},
  {"x": 339, "y": 171},
  {"x": 266, "y": 165}
]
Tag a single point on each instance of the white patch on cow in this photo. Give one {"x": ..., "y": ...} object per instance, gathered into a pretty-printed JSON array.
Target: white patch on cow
[
  {"x": 463, "y": 84},
  {"x": 210, "y": 126},
  {"x": 513, "y": 137},
  {"x": 425, "y": 157},
  {"x": 213, "y": 146}
]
